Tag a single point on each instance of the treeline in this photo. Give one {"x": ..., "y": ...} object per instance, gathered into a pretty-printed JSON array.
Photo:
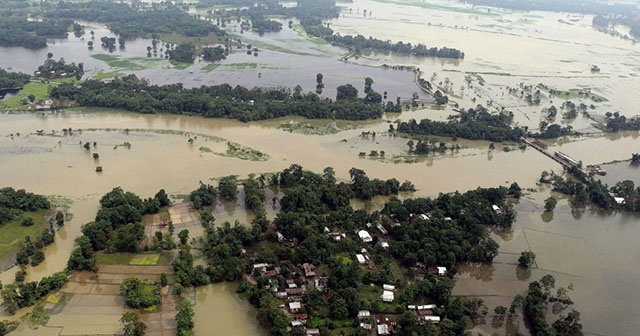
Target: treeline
[
  {"x": 473, "y": 124},
  {"x": 131, "y": 21},
  {"x": 133, "y": 94},
  {"x": 117, "y": 227},
  {"x": 13, "y": 80},
  {"x": 604, "y": 21},
  {"x": 359, "y": 43},
  {"x": 553, "y": 131},
  {"x": 582, "y": 189},
  {"x": 617, "y": 122},
  {"x": 14, "y": 203},
  {"x": 25, "y": 294},
  {"x": 571, "y": 6},
  {"x": 19, "y": 32}
]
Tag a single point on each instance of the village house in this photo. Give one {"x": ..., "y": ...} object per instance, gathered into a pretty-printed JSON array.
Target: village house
[
  {"x": 309, "y": 270},
  {"x": 365, "y": 236},
  {"x": 294, "y": 307}
]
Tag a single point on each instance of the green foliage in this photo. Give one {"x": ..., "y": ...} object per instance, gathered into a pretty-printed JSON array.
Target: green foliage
[
  {"x": 134, "y": 21},
  {"x": 254, "y": 195},
  {"x": 183, "y": 53},
  {"x": 184, "y": 236},
  {"x": 132, "y": 324},
  {"x": 16, "y": 296},
  {"x": 137, "y": 294},
  {"x": 82, "y": 257},
  {"x": 14, "y": 202},
  {"x": 205, "y": 195},
  {"x": 133, "y": 94},
  {"x": 13, "y": 80},
  {"x": 184, "y": 318},
  {"x": 360, "y": 42},
  {"x": 526, "y": 259},
  {"x": 550, "y": 203},
  {"x": 60, "y": 69},
  {"x": 228, "y": 188},
  {"x": 17, "y": 31},
  {"x": 474, "y": 124},
  {"x": 213, "y": 54}
]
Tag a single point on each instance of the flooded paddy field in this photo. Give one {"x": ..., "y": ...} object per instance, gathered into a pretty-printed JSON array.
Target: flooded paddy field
[{"x": 591, "y": 250}]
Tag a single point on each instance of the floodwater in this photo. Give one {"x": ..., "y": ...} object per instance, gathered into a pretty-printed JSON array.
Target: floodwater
[
  {"x": 217, "y": 307},
  {"x": 592, "y": 250}
]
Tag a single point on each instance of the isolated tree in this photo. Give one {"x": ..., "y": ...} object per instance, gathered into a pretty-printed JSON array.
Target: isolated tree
[
  {"x": 132, "y": 324},
  {"x": 184, "y": 236},
  {"x": 346, "y": 91},
  {"x": 550, "y": 203},
  {"x": 526, "y": 259}
]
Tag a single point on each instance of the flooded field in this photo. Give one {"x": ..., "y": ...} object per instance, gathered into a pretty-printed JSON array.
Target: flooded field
[{"x": 593, "y": 251}]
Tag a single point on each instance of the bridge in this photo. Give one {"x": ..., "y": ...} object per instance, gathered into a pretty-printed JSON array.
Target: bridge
[{"x": 565, "y": 160}]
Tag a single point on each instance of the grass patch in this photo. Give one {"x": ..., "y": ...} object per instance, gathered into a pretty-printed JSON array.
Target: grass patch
[
  {"x": 39, "y": 89},
  {"x": 198, "y": 41},
  {"x": 114, "y": 259},
  {"x": 210, "y": 67},
  {"x": 181, "y": 66},
  {"x": 12, "y": 233},
  {"x": 52, "y": 298},
  {"x": 344, "y": 260},
  {"x": 105, "y": 75},
  {"x": 268, "y": 46},
  {"x": 129, "y": 64},
  {"x": 242, "y": 66},
  {"x": 145, "y": 260},
  {"x": 241, "y": 152},
  {"x": 205, "y": 150}
]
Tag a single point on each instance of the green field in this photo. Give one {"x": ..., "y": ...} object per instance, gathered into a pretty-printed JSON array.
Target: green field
[
  {"x": 39, "y": 89},
  {"x": 128, "y": 259},
  {"x": 209, "y": 67},
  {"x": 12, "y": 233},
  {"x": 130, "y": 64}
]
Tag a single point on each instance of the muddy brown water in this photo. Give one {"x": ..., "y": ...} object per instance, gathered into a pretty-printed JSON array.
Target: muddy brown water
[{"x": 591, "y": 250}]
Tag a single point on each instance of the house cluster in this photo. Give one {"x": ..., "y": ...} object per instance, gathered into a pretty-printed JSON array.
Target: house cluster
[
  {"x": 381, "y": 324},
  {"x": 424, "y": 313},
  {"x": 388, "y": 293}
]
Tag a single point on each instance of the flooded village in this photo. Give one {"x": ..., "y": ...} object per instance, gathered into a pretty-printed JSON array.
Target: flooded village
[{"x": 295, "y": 263}]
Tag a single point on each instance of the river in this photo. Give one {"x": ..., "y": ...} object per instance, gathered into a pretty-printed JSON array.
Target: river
[{"x": 592, "y": 250}]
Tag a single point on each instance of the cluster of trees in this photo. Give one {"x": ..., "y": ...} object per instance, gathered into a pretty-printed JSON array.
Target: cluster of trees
[
  {"x": 617, "y": 122},
  {"x": 13, "y": 80},
  {"x": 17, "y": 31},
  {"x": 359, "y": 42},
  {"x": 58, "y": 69},
  {"x": 13, "y": 203},
  {"x": 24, "y": 294},
  {"x": 138, "y": 294},
  {"x": 117, "y": 226},
  {"x": 183, "y": 53},
  {"x": 184, "y": 318},
  {"x": 473, "y": 124},
  {"x": 213, "y": 54},
  {"x": 582, "y": 189},
  {"x": 455, "y": 217},
  {"x": 535, "y": 305},
  {"x": 552, "y": 131},
  {"x": 604, "y": 21},
  {"x": 131, "y": 21},
  {"x": 32, "y": 251},
  {"x": 132, "y": 324},
  {"x": 240, "y": 103}
]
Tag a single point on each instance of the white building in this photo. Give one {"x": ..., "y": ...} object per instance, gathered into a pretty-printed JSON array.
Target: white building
[
  {"x": 365, "y": 236},
  {"x": 361, "y": 259},
  {"x": 387, "y": 296}
]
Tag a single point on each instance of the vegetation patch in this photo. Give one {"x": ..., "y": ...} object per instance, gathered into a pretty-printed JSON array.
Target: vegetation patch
[
  {"x": 241, "y": 66},
  {"x": 145, "y": 260},
  {"x": 210, "y": 67},
  {"x": 52, "y": 298},
  {"x": 13, "y": 232},
  {"x": 205, "y": 150},
  {"x": 39, "y": 91},
  {"x": 114, "y": 259},
  {"x": 128, "y": 64},
  {"x": 244, "y": 153},
  {"x": 105, "y": 75}
]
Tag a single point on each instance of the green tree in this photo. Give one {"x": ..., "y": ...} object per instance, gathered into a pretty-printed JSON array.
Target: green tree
[
  {"x": 228, "y": 188},
  {"x": 132, "y": 324},
  {"x": 184, "y": 318},
  {"x": 550, "y": 203},
  {"x": 184, "y": 236},
  {"x": 526, "y": 258},
  {"x": 346, "y": 92}
]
